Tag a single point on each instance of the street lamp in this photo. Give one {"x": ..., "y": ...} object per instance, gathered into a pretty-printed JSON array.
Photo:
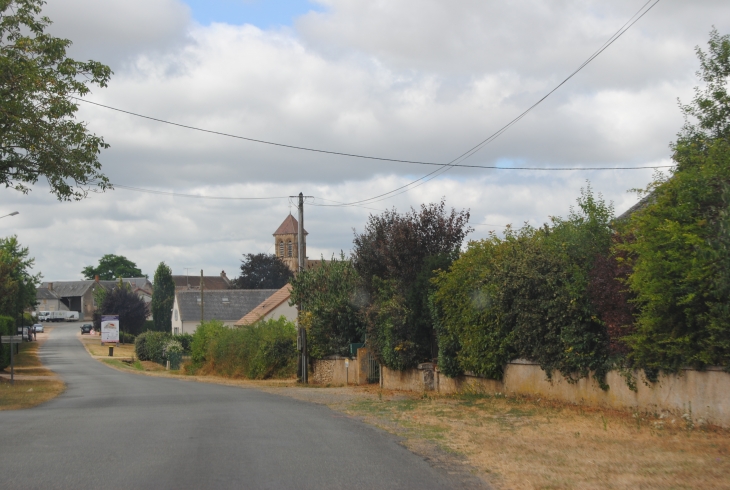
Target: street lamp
[{"x": 11, "y": 214}]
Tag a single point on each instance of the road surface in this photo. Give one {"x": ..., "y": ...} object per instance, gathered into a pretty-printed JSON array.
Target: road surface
[{"x": 120, "y": 430}]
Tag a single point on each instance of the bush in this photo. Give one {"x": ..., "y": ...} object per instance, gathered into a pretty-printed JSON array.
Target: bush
[
  {"x": 7, "y": 327},
  {"x": 150, "y": 346},
  {"x": 186, "y": 340},
  {"x": 126, "y": 338},
  {"x": 264, "y": 350},
  {"x": 527, "y": 295}
]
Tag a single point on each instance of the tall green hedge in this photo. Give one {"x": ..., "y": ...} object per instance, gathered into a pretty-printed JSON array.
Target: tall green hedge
[
  {"x": 526, "y": 296},
  {"x": 7, "y": 327}
]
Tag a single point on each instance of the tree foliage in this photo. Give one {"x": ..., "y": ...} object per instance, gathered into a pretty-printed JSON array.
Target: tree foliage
[
  {"x": 163, "y": 298},
  {"x": 17, "y": 283},
  {"x": 526, "y": 296},
  {"x": 39, "y": 136},
  {"x": 395, "y": 257},
  {"x": 333, "y": 300},
  {"x": 112, "y": 267},
  {"x": 677, "y": 246},
  {"x": 132, "y": 309},
  {"x": 263, "y": 271}
]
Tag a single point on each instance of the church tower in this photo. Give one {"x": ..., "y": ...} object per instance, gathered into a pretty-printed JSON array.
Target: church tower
[{"x": 286, "y": 245}]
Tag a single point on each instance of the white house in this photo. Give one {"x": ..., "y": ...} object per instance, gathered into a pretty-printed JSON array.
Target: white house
[
  {"x": 228, "y": 306},
  {"x": 275, "y": 306}
]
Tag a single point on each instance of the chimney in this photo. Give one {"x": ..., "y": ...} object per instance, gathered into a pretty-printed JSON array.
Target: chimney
[
  {"x": 223, "y": 275},
  {"x": 50, "y": 286}
]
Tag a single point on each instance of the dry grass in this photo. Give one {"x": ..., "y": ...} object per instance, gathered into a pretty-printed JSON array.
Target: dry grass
[
  {"x": 28, "y": 393},
  {"x": 92, "y": 343},
  {"x": 523, "y": 443}
]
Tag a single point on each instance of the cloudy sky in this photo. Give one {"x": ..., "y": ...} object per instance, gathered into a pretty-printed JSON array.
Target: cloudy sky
[{"x": 404, "y": 79}]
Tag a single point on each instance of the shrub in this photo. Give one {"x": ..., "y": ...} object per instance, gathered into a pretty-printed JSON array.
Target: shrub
[
  {"x": 7, "y": 327},
  {"x": 150, "y": 346},
  {"x": 186, "y": 340},
  {"x": 264, "y": 350}
]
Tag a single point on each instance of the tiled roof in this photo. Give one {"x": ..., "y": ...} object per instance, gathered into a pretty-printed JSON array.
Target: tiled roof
[
  {"x": 139, "y": 283},
  {"x": 266, "y": 306},
  {"x": 66, "y": 289},
  {"x": 239, "y": 302},
  {"x": 290, "y": 226},
  {"x": 211, "y": 282},
  {"x": 44, "y": 293}
]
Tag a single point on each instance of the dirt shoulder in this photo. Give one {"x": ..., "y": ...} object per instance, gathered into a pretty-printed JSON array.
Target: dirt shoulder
[{"x": 34, "y": 384}]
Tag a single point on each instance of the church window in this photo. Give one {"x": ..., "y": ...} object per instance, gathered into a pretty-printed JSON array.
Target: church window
[
  {"x": 290, "y": 249},
  {"x": 281, "y": 248}
]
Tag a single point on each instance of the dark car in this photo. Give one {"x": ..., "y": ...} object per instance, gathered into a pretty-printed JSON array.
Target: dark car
[{"x": 86, "y": 328}]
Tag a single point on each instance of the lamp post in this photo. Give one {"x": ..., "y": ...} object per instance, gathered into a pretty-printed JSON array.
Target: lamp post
[{"x": 11, "y": 214}]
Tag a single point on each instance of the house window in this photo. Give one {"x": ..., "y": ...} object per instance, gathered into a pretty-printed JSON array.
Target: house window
[
  {"x": 281, "y": 248},
  {"x": 175, "y": 330},
  {"x": 290, "y": 248},
  {"x": 175, "y": 316}
]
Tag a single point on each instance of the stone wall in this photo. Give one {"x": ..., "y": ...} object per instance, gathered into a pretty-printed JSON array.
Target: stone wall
[
  {"x": 703, "y": 394},
  {"x": 334, "y": 370}
]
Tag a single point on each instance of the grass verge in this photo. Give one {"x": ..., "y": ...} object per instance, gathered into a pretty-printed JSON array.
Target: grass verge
[
  {"x": 526, "y": 443},
  {"x": 92, "y": 343},
  {"x": 28, "y": 393}
]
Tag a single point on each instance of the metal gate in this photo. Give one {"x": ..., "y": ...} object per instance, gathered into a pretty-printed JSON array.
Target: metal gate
[{"x": 373, "y": 369}]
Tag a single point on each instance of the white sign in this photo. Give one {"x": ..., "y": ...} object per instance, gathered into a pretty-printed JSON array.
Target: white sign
[{"x": 110, "y": 329}]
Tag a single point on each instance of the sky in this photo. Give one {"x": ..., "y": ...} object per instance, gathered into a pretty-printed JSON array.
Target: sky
[{"x": 419, "y": 80}]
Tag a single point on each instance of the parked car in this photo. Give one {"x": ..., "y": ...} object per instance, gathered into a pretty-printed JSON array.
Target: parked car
[
  {"x": 86, "y": 328},
  {"x": 38, "y": 328}
]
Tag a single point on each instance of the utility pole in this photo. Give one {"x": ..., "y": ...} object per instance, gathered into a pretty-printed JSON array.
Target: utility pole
[
  {"x": 202, "y": 298},
  {"x": 301, "y": 258}
]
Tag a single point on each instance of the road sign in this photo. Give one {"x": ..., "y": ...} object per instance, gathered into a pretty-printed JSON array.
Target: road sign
[
  {"x": 110, "y": 329},
  {"x": 12, "y": 339}
]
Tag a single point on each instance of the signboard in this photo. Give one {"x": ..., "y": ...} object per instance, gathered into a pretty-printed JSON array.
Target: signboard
[
  {"x": 110, "y": 329},
  {"x": 11, "y": 339}
]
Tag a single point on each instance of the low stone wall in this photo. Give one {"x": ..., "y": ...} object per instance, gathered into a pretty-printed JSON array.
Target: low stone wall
[
  {"x": 334, "y": 370},
  {"x": 703, "y": 394}
]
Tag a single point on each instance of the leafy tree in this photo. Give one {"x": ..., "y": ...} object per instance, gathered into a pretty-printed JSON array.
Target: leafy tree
[
  {"x": 333, "y": 301},
  {"x": 527, "y": 295},
  {"x": 677, "y": 245},
  {"x": 112, "y": 267},
  {"x": 38, "y": 83},
  {"x": 263, "y": 271},
  {"x": 394, "y": 257},
  {"x": 163, "y": 298},
  {"x": 132, "y": 309},
  {"x": 17, "y": 284}
]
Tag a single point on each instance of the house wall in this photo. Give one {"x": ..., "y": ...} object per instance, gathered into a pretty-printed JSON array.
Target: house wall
[
  {"x": 290, "y": 312},
  {"x": 335, "y": 371},
  {"x": 50, "y": 305}
]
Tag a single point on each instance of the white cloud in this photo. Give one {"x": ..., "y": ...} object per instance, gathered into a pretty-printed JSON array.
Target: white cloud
[{"x": 421, "y": 80}]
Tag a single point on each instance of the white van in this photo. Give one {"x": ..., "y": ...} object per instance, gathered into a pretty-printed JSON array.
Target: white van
[{"x": 44, "y": 316}]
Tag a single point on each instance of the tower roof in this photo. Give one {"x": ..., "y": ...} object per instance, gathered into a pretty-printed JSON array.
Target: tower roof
[{"x": 290, "y": 226}]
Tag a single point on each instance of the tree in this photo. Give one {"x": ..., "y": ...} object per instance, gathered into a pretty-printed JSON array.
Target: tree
[
  {"x": 163, "y": 298},
  {"x": 112, "y": 267},
  {"x": 395, "y": 256},
  {"x": 17, "y": 284},
  {"x": 677, "y": 246},
  {"x": 332, "y": 302},
  {"x": 39, "y": 85},
  {"x": 132, "y": 309},
  {"x": 263, "y": 271}
]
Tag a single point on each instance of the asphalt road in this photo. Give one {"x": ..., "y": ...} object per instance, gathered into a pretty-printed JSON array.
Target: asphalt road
[{"x": 118, "y": 430}]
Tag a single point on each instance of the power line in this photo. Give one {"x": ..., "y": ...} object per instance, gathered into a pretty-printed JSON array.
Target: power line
[{"x": 431, "y": 175}]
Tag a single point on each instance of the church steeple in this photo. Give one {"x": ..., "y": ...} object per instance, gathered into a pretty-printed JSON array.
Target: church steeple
[{"x": 286, "y": 244}]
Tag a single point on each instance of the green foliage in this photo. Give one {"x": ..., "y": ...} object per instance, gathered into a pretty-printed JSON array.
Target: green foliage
[
  {"x": 264, "y": 350},
  {"x": 39, "y": 135},
  {"x": 127, "y": 338},
  {"x": 263, "y": 271},
  {"x": 132, "y": 309},
  {"x": 112, "y": 267},
  {"x": 150, "y": 346},
  {"x": 526, "y": 295},
  {"x": 395, "y": 257},
  {"x": 677, "y": 245},
  {"x": 17, "y": 284},
  {"x": 7, "y": 327},
  {"x": 163, "y": 297},
  {"x": 333, "y": 298}
]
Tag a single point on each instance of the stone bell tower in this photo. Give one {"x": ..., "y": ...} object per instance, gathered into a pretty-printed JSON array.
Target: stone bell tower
[{"x": 286, "y": 244}]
